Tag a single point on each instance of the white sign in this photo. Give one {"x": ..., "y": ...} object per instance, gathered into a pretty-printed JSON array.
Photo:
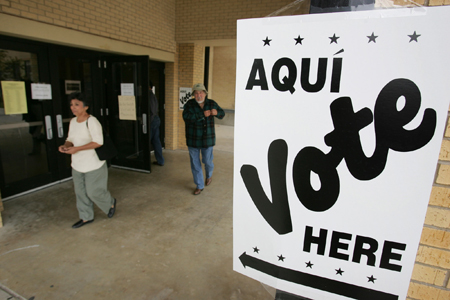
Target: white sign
[
  {"x": 40, "y": 91},
  {"x": 185, "y": 96},
  {"x": 127, "y": 89},
  {"x": 339, "y": 123}
]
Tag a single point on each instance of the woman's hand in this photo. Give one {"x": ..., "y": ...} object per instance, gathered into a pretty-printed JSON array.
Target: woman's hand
[
  {"x": 62, "y": 149},
  {"x": 67, "y": 150},
  {"x": 71, "y": 150},
  {"x": 65, "y": 147}
]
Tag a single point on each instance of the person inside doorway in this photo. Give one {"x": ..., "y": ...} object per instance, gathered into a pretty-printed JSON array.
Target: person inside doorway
[
  {"x": 155, "y": 123},
  {"x": 90, "y": 174},
  {"x": 198, "y": 115}
]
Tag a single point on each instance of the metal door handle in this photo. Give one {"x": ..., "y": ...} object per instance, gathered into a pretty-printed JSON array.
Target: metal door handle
[
  {"x": 48, "y": 127},
  {"x": 59, "y": 124},
  {"x": 144, "y": 123}
]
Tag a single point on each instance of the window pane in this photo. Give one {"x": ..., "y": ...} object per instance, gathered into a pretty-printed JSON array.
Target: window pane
[{"x": 23, "y": 150}]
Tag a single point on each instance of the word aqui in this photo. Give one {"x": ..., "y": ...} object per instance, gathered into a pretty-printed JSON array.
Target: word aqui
[{"x": 257, "y": 76}]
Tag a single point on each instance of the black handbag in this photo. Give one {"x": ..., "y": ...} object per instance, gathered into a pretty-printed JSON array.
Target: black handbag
[{"x": 106, "y": 151}]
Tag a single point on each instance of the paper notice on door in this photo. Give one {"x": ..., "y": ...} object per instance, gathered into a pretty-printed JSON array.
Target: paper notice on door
[
  {"x": 14, "y": 97},
  {"x": 127, "y": 108},
  {"x": 127, "y": 89},
  {"x": 41, "y": 91}
]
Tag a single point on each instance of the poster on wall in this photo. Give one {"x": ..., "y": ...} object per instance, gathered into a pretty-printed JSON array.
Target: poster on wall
[
  {"x": 185, "y": 96},
  {"x": 14, "y": 97},
  {"x": 339, "y": 122}
]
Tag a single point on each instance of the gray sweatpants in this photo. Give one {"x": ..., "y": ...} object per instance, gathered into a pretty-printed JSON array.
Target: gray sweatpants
[{"x": 90, "y": 188}]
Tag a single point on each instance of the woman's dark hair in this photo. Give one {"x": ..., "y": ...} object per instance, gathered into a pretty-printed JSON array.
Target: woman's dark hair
[{"x": 80, "y": 97}]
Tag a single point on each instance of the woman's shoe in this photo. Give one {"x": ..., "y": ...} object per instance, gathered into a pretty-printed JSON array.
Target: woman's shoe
[
  {"x": 112, "y": 210},
  {"x": 81, "y": 223}
]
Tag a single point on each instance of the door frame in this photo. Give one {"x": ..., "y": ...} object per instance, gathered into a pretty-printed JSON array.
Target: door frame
[
  {"x": 158, "y": 69},
  {"x": 143, "y": 122}
]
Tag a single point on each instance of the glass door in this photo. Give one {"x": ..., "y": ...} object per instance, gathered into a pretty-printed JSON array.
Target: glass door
[
  {"x": 127, "y": 110},
  {"x": 27, "y": 127},
  {"x": 74, "y": 70}
]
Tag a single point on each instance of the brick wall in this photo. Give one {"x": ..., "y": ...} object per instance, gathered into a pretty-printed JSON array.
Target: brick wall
[
  {"x": 431, "y": 275},
  {"x": 149, "y": 23},
  {"x": 224, "y": 76},
  {"x": 190, "y": 71},
  {"x": 216, "y": 19},
  {"x": 439, "y": 3},
  {"x": 171, "y": 111}
]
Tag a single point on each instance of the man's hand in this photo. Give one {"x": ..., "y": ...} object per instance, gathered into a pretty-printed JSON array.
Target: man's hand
[
  {"x": 207, "y": 113},
  {"x": 214, "y": 112}
]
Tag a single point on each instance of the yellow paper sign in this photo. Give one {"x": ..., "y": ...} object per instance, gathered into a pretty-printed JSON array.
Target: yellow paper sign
[
  {"x": 127, "y": 108},
  {"x": 14, "y": 97}
]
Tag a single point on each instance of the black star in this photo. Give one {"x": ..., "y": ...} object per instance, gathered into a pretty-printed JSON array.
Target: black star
[
  {"x": 299, "y": 40},
  {"x": 255, "y": 249},
  {"x": 309, "y": 264},
  {"x": 372, "y": 38},
  {"x": 281, "y": 257},
  {"x": 334, "y": 38},
  {"x": 339, "y": 271},
  {"x": 414, "y": 37},
  {"x": 267, "y": 41},
  {"x": 371, "y": 279}
]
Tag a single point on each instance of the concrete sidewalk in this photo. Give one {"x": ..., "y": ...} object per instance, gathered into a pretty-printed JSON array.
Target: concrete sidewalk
[{"x": 163, "y": 242}]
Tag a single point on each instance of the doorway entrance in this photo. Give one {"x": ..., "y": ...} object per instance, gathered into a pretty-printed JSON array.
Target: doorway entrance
[
  {"x": 29, "y": 139},
  {"x": 128, "y": 111}
]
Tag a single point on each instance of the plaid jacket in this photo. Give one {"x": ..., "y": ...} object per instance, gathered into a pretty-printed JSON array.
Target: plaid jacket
[{"x": 200, "y": 132}]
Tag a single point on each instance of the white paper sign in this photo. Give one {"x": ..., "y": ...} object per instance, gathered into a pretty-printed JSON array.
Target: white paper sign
[
  {"x": 185, "y": 96},
  {"x": 41, "y": 91},
  {"x": 127, "y": 89},
  {"x": 339, "y": 122}
]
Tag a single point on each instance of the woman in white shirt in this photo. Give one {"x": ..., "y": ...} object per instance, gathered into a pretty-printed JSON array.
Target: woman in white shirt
[{"x": 89, "y": 173}]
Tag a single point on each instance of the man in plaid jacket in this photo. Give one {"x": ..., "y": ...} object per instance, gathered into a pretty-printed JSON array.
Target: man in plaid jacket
[{"x": 198, "y": 116}]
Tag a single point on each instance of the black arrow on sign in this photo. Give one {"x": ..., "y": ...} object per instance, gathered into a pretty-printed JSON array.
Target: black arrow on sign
[{"x": 313, "y": 281}]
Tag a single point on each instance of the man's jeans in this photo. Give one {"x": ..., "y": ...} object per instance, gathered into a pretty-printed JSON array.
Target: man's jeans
[{"x": 196, "y": 165}]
